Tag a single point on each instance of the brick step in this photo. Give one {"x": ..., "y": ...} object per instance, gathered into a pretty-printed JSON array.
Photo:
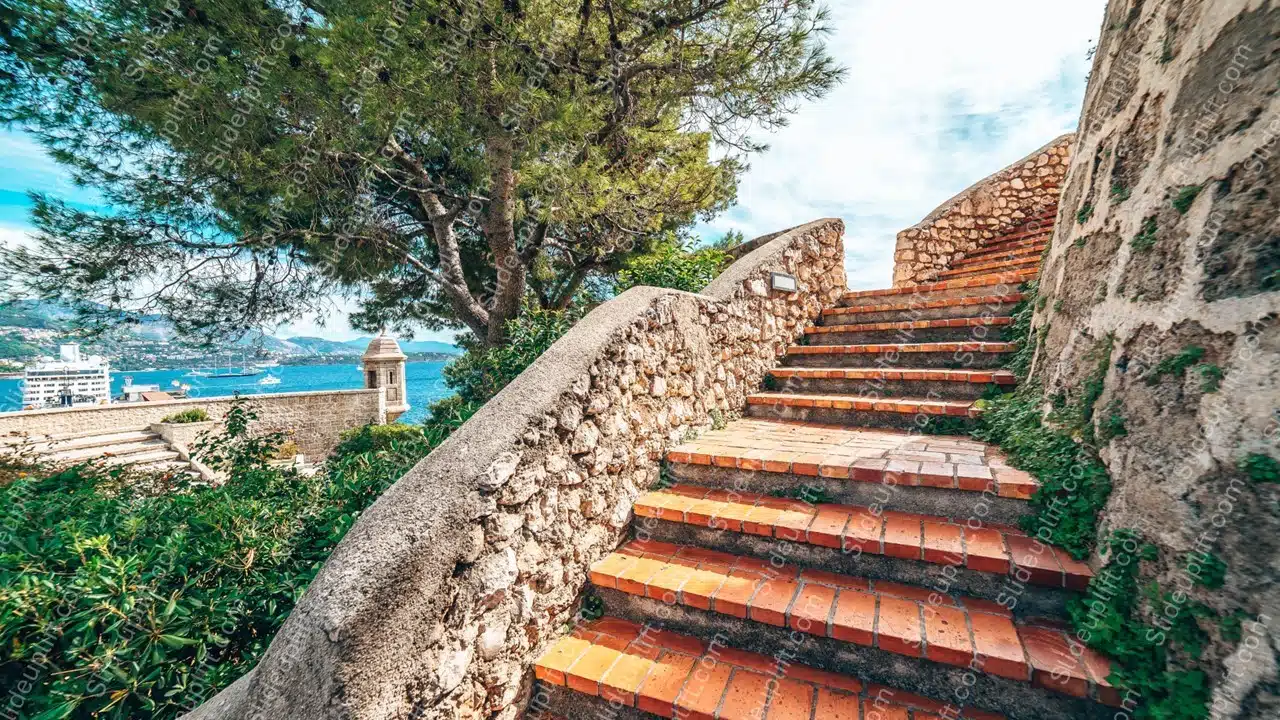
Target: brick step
[
  {"x": 964, "y": 273},
  {"x": 1003, "y": 283},
  {"x": 916, "y": 637},
  {"x": 890, "y": 382},
  {"x": 1021, "y": 248},
  {"x": 1045, "y": 227},
  {"x": 933, "y": 474},
  {"x": 922, "y": 307},
  {"x": 995, "y": 549},
  {"x": 856, "y": 410},
  {"x": 617, "y": 668},
  {"x": 908, "y": 331},
  {"x": 965, "y": 269},
  {"x": 953, "y": 355}
]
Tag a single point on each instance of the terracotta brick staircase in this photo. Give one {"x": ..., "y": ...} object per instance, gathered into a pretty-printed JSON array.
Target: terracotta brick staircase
[{"x": 904, "y": 590}]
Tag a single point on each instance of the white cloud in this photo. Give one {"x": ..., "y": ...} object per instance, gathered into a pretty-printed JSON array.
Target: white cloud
[
  {"x": 14, "y": 236},
  {"x": 939, "y": 94}
]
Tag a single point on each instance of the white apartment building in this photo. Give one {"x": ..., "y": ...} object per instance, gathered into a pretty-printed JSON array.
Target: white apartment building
[{"x": 72, "y": 380}]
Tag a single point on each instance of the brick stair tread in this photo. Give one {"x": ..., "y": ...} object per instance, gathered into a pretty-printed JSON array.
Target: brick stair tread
[
  {"x": 669, "y": 674},
  {"x": 837, "y": 401},
  {"x": 983, "y": 377},
  {"x": 1044, "y": 229},
  {"x": 982, "y": 281},
  {"x": 1016, "y": 249},
  {"x": 972, "y": 300},
  {"x": 876, "y": 348},
  {"x": 990, "y": 266},
  {"x": 993, "y": 548},
  {"x": 912, "y": 325},
  {"x": 904, "y": 619},
  {"x": 859, "y": 454}
]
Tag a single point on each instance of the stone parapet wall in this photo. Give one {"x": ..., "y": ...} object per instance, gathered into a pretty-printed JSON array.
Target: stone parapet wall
[
  {"x": 313, "y": 419},
  {"x": 1163, "y": 278},
  {"x": 438, "y": 600},
  {"x": 995, "y": 206}
]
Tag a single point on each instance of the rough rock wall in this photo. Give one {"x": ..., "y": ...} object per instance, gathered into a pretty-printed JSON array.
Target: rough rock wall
[
  {"x": 313, "y": 419},
  {"x": 997, "y": 205},
  {"x": 1167, "y": 250},
  {"x": 438, "y": 600}
]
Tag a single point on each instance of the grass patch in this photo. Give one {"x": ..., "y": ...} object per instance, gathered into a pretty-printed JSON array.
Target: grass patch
[
  {"x": 1260, "y": 468},
  {"x": 1175, "y": 365},
  {"x": 1146, "y": 237},
  {"x": 1113, "y": 425},
  {"x": 805, "y": 493},
  {"x": 194, "y": 415},
  {"x": 1210, "y": 377},
  {"x": 1120, "y": 192},
  {"x": 1085, "y": 213},
  {"x": 1185, "y": 197}
]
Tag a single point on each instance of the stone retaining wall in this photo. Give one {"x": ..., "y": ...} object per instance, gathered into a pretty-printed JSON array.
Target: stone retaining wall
[
  {"x": 1164, "y": 273},
  {"x": 314, "y": 419},
  {"x": 453, "y": 582},
  {"x": 995, "y": 206}
]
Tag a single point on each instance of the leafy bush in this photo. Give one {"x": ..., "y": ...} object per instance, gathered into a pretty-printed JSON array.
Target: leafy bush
[
  {"x": 129, "y": 605},
  {"x": 481, "y": 372},
  {"x": 1176, "y": 364},
  {"x": 1261, "y": 468},
  {"x": 193, "y": 415},
  {"x": 671, "y": 265},
  {"x": 1020, "y": 330},
  {"x": 1185, "y": 198}
]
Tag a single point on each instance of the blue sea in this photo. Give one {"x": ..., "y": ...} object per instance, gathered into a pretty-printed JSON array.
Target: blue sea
[{"x": 425, "y": 384}]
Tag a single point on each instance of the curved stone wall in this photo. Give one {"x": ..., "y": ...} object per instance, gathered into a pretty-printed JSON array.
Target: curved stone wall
[
  {"x": 995, "y": 206},
  {"x": 436, "y": 602}
]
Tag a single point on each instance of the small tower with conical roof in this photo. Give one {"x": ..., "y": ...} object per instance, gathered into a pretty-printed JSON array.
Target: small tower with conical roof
[{"x": 384, "y": 368}]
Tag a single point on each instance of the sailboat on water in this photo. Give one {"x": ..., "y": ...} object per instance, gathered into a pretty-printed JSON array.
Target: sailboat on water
[{"x": 245, "y": 370}]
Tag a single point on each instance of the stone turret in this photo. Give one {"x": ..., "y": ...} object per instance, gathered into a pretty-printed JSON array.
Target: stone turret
[{"x": 384, "y": 368}]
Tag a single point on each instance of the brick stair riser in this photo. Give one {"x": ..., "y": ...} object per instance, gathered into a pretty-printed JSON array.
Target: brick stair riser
[
  {"x": 997, "y": 262},
  {"x": 979, "y": 333},
  {"x": 937, "y": 389},
  {"x": 848, "y": 418},
  {"x": 942, "y": 502},
  {"x": 1015, "y": 699},
  {"x": 964, "y": 360},
  {"x": 549, "y": 702},
  {"x": 1033, "y": 601},
  {"x": 1031, "y": 252},
  {"x": 919, "y": 312},
  {"x": 1034, "y": 247},
  {"x": 1002, "y": 285}
]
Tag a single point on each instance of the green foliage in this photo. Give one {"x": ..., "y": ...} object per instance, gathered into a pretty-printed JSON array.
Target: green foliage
[
  {"x": 1232, "y": 625},
  {"x": 193, "y": 415},
  {"x": 378, "y": 438},
  {"x": 771, "y": 383},
  {"x": 1175, "y": 365},
  {"x": 1260, "y": 467},
  {"x": 592, "y": 607},
  {"x": 672, "y": 266},
  {"x": 1120, "y": 192},
  {"x": 1074, "y": 483},
  {"x": 1019, "y": 362},
  {"x": 1184, "y": 198},
  {"x": 805, "y": 493},
  {"x": 482, "y": 371},
  {"x": 947, "y": 425},
  {"x": 1207, "y": 569},
  {"x": 1151, "y": 661},
  {"x": 718, "y": 421},
  {"x": 1085, "y": 213},
  {"x": 1146, "y": 237},
  {"x": 1113, "y": 425},
  {"x": 145, "y": 605},
  {"x": 1210, "y": 377}
]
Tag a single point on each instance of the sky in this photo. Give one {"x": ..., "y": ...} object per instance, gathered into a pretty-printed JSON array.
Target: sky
[{"x": 939, "y": 94}]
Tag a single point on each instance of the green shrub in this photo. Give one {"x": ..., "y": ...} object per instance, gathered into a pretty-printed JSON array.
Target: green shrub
[
  {"x": 193, "y": 415},
  {"x": 671, "y": 265},
  {"x": 1185, "y": 197},
  {"x": 1210, "y": 377},
  {"x": 378, "y": 438},
  {"x": 1261, "y": 468},
  {"x": 1146, "y": 237},
  {"x": 1085, "y": 213},
  {"x": 1120, "y": 192},
  {"x": 1147, "y": 660},
  {"x": 1175, "y": 365},
  {"x": 1020, "y": 330},
  {"x": 145, "y": 605}
]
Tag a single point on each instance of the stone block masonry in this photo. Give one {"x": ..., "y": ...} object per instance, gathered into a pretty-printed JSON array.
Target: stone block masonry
[
  {"x": 439, "y": 599},
  {"x": 1009, "y": 200},
  {"x": 314, "y": 420}
]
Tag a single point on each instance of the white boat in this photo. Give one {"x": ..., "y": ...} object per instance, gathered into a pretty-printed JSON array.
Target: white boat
[
  {"x": 197, "y": 373},
  {"x": 73, "y": 380},
  {"x": 269, "y": 380}
]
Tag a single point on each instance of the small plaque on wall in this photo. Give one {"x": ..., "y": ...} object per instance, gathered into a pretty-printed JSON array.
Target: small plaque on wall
[{"x": 783, "y": 282}]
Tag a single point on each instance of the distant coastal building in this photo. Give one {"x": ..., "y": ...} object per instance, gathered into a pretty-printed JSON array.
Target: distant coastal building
[
  {"x": 73, "y": 380},
  {"x": 383, "y": 363}
]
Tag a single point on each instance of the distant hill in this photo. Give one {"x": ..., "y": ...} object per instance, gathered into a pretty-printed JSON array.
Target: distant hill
[
  {"x": 411, "y": 346},
  {"x": 321, "y": 346}
]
